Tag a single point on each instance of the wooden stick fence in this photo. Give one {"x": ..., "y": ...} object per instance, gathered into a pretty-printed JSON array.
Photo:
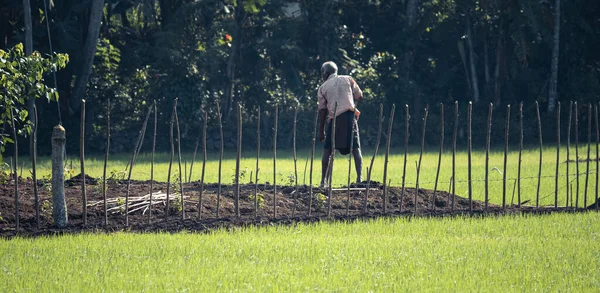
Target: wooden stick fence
[{"x": 153, "y": 199}]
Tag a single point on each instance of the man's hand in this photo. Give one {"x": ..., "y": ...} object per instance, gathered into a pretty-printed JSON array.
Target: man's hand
[{"x": 322, "y": 136}]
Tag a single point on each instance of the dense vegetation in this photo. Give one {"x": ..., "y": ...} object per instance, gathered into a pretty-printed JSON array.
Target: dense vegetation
[
  {"x": 556, "y": 252},
  {"x": 258, "y": 53}
]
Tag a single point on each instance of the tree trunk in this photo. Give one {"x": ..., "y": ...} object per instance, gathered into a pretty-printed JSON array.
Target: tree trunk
[
  {"x": 89, "y": 51},
  {"x": 233, "y": 58},
  {"x": 554, "y": 70},
  {"x": 472, "y": 62}
]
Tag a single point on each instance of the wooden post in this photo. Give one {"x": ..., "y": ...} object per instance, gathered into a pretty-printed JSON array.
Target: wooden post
[
  {"x": 82, "y": 163},
  {"x": 106, "y": 161},
  {"x": 181, "y": 177},
  {"x": 220, "y": 159},
  {"x": 537, "y": 194},
  {"x": 257, "y": 160},
  {"x": 34, "y": 167},
  {"x": 470, "y": 183},
  {"x": 406, "y": 134},
  {"x": 331, "y": 160},
  {"x": 557, "y": 154},
  {"x": 237, "y": 162},
  {"x": 312, "y": 157},
  {"x": 487, "y": 155},
  {"x": 576, "y": 156},
  {"x": 568, "y": 152},
  {"x": 295, "y": 164},
  {"x": 275, "y": 162},
  {"x": 133, "y": 158},
  {"x": 152, "y": 163},
  {"x": 370, "y": 169},
  {"x": 597, "y": 152},
  {"x": 171, "y": 159},
  {"x": 59, "y": 205},
  {"x": 204, "y": 122},
  {"x": 506, "y": 133},
  {"x": 454, "y": 154},
  {"x": 421, "y": 154},
  {"x": 387, "y": 154},
  {"x": 16, "y": 175},
  {"x": 520, "y": 153},
  {"x": 350, "y": 165},
  {"x": 437, "y": 174},
  {"x": 587, "y": 164}
]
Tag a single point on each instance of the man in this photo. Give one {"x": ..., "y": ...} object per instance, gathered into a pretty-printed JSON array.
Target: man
[{"x": 343, "y": 90}]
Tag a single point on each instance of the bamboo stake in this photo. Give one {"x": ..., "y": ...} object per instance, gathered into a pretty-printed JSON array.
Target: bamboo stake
[
  {"x": 331, "y": 160},
  {"x": 469, "y": 155},
  {"x": 537, "y": 194},
  {"x": 16, "y": 176},
  {"x": 421, "y": 155},
  {"x": 520, "y": 153},
  {"x": 133, "y": 158},
  {"x": 587, "y": 164},
  {"x": 82, "y": 163},
  {"x": 34, "y": 167},
  {"x": 454, "y": 154},
  {"x": 170, "y": 160},
  {"x": 576, "y": 156},
  {"x": 350, "y": 166},
  {"x": 568, "y": 151},
  {"x": 295, "y": 164},
  {"x": 387, "y": 154},
  {"x": 200, "y": 199},
  {"x": 106, "y": 161},
  {"x": 181, "y": 177},
  {"x": 437, "y": 174},
  {"x": 152, "y": 163},
  {"x": 275, "y": 162},
  {"x": 557, "y": 155},
  {"x": 237, "y": 162},
  {"x": 220, "y": 159},
  {"x": 506, "y": 133},
  {"x": 487, "y": 155},
  {"x": 312, "y": 157},
  {"x": 257, "y": 160},
  {"x": 365, "y": 204},
  {"x": 597, "y": 151},
  {"x": 406, "y": 134}
]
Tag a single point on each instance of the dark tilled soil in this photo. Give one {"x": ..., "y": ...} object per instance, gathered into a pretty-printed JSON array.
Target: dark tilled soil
[{"x": 292, "y": 207}]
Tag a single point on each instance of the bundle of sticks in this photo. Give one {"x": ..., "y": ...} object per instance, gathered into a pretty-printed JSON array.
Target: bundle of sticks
[{"x": 140, "y": 203}]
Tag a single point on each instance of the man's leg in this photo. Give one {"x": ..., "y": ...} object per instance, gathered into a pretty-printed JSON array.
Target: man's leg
[
  {"x": 358, "y": 160},
  {"x": 325, "y": 166}
]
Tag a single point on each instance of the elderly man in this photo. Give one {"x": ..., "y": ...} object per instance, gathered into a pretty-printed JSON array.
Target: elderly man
[{"x": 343, "y": 90}]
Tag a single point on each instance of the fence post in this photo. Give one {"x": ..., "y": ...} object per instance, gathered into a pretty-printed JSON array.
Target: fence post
[
  {"x": 437, "y": 174},
  {"x": 454, "y": 153},
  {"x": 16, "y": 174},
  {"x": 152, "y": 163},
  {"x": 106, "y": 161},
  {"x": 568, "y": 151},
  {"x": 181, "y": 177},
  {"x": 171, "y": 160},
  {"x": 506, "y": 133},
  {"x": 133, "y": 158},
  {"x": 387, "y": 154},
  {"x": 370, "y": 169},
  {"x": 487, "y": 154},
  {"x": 34, "y": 167},
  {"x": 587, "y": 164},
  {"x": 82, "y": 162},
  {"x": 312, "y": 158},
  {"x": 237, "y": 162},
  {"x": 220, "y": 159},
  {"x": 275, "y": 162},
  {"x": 406, "y": 134},
  {"x": 537, "y": 194},
  {"x": 295, "y": 163},
  {"x": 349, "y": 164},
  {"x": 520, "y": 153},
  {"x": 204, "y": 122},
  {"x": 469, "y": 155},
  {"x": 576, "y": 156},
  {"x": 597, "y": 152},
  {"x": 557, "y": 155},
  {"x": 59, "y": 205},
  {"x": 421, "y": 154}
]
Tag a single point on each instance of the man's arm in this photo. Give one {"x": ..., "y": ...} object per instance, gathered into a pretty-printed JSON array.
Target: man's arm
[{"x": 322, "y": 117}]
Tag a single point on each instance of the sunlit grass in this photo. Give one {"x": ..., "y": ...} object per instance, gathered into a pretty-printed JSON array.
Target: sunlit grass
[
  {"x": 553, "y": 253},
  {"x": 285, "y": 168}
]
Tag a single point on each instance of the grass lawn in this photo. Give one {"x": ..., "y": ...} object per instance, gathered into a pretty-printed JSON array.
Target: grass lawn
[
  {"x": 558, "y": 253},
  {"x": 285, "y": 168}
]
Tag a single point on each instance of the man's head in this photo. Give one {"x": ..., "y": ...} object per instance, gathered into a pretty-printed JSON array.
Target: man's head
[{"x": 328, "y": 68}]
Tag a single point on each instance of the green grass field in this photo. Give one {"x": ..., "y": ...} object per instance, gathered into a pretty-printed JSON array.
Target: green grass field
[
  {"x": 552, "y": 253},
  {"x": 285, "y": 168}
]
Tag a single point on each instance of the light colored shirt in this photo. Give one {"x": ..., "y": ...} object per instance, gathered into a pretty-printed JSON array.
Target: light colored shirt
[{"x": 341, "y": 89}]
